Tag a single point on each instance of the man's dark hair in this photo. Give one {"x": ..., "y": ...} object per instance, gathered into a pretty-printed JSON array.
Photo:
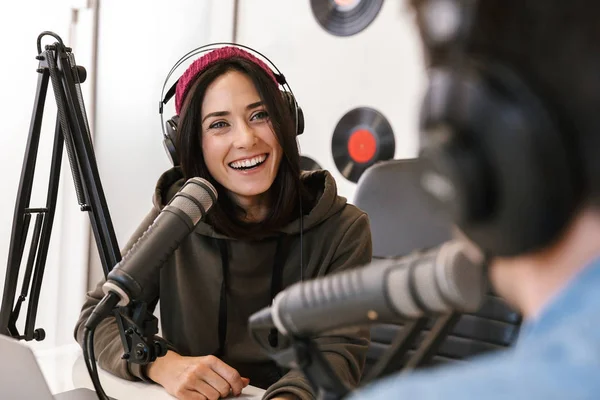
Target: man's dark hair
[
  {"x": 286, "y": 191},
  {"x": 554, "y": 46}
]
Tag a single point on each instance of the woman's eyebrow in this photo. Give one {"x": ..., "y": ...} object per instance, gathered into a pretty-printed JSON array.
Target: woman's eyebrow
[
  {"x": 254, "y": 105},
  {"x": 215, "y": 114}
]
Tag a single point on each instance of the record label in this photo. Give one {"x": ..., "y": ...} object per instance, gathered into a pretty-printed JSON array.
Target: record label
[{"x": 362, "y": 146}]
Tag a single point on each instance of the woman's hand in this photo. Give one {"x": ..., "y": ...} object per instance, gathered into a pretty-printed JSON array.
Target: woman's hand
[{"x": 196, "y": 378}]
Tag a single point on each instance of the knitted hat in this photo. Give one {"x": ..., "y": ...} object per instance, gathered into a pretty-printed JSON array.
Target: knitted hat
[{"x": 208, "y": 59}]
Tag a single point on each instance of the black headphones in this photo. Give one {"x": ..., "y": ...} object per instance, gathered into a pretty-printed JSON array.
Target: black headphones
[
  {"x": 491, "y": 153},
  {"x": 169, "y": 128}
]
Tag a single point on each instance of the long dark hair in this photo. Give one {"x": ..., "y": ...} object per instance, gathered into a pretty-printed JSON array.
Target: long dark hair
[{"x": 287, "y": 190}]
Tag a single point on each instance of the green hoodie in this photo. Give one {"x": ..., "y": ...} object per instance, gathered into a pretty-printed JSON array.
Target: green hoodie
[{"x": 336, "y": 236}]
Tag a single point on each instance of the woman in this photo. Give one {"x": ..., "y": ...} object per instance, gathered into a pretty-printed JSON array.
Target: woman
[{"x": 237, "y": 131}]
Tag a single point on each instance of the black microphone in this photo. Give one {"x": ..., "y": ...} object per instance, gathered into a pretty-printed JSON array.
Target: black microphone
[
  {"x": 139, "y": 266},
  {"x": 436, "y": 281}
]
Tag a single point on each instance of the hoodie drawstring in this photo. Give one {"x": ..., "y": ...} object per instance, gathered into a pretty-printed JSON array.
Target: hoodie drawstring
[
  {"x": 277, "y": 278},
  {"x": 223, "y": 298}
]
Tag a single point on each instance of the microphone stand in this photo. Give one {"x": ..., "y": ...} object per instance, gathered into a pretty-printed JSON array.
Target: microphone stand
[
  {"x": 304, "y": 354},
  {"x": 393, "y": 358},
  {"x": 433, "y": 340},
  {"x": 137, "y": 327}
]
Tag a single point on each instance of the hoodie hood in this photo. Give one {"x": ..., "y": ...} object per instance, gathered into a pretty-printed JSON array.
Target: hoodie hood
[{"x": 319, "y": 183}]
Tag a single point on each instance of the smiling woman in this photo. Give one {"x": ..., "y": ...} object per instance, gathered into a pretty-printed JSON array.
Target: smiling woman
[
  {"x": 272, "y": 226},
  {"x": 243, "y": 117}
]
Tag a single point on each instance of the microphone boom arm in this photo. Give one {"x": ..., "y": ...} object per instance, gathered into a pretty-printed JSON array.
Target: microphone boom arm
[
  {"x": 56, "y": 65},
  {"x": 137, "y": 327}
]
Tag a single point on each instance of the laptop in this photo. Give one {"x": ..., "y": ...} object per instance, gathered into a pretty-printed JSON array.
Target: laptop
[{"x": 21, "y": 377}]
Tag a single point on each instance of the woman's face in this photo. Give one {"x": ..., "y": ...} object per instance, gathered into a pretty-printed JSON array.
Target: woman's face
[{"x": 240, "y": 148}]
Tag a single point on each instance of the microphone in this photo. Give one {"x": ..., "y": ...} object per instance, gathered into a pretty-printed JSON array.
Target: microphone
[
  {"x": 176, "y": 220},
  {"x": 127, "y": 280},
  {"x": 436, "y": 281}
]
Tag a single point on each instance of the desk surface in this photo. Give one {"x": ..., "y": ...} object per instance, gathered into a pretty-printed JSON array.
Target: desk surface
[{"x": 65, "y": 369}]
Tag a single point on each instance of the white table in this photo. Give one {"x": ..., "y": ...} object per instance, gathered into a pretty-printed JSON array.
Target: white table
[{"x": 65, "y": 369}]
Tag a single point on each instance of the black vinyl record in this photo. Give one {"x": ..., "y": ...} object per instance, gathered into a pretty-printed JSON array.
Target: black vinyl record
[
  {"x": 308, "y": 164},
  {"x": 362, "y": 137},
  {"x": 345, "y": 17}
]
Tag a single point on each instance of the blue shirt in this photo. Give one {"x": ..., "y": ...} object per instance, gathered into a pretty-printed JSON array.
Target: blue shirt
[{"x": 557, "y": 357}]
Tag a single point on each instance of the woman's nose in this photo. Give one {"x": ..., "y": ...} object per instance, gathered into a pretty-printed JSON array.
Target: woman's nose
[{"x": 244, "y": 136}]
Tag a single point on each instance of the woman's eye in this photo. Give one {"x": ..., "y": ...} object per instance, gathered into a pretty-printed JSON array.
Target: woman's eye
[
  {"x": 260, "y": 115},
  {"x": 217, "y": 125}
]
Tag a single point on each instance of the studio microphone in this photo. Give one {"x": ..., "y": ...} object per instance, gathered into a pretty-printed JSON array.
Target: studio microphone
[
  {"x": 139, "y": 266},
  {"x": 437, "y": 281}
]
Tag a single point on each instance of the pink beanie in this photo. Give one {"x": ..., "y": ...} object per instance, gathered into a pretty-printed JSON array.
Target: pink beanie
[{"x": 210, "y": 58}]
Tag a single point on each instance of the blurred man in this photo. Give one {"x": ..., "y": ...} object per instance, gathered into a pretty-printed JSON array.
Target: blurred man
[{"x": 511, "y": 125}]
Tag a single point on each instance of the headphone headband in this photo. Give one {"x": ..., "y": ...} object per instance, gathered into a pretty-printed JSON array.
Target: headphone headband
[
  {"x": 169, "y": 128},
  {"x": 280, "y": 78}
]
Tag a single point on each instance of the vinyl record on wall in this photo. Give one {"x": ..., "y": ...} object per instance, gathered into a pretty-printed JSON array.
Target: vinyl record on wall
[
  {"x": 362, "y": 137},
  {"x": 308, "y": 164},
  {"x": 345, "y": 17}
]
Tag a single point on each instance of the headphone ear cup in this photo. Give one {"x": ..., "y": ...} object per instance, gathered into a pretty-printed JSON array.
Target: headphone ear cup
[
  {"x": 300, "y": 121},
  {"x": 488, "y": 150},
  {"x": 170, "y": 140},
  {"x": 293, "y": 107}
]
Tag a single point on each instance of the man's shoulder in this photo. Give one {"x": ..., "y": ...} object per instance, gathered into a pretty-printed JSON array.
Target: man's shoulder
[
  {"x": 464, "y": 380},
  {"x": 549, "y": 369}
]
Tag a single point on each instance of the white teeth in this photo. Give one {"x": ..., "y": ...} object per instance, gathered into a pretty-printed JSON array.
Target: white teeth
[{"x": 251, "y": 162}]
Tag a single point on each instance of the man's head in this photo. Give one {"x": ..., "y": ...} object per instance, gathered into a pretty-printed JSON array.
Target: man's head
[
  {"x": 520, "y": 193},
  {"x": 554, "y": 46}
]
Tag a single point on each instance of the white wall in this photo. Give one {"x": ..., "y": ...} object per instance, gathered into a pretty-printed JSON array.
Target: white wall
[{"x": 380, "y": 67}]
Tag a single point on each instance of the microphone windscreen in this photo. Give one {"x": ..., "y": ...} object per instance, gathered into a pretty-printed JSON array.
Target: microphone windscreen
[{"x": 195, "y": 198}]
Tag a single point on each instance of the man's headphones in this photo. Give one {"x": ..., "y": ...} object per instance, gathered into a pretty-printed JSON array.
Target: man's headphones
[
  {"x": 491, "y": 153},
  {"x": 169, "y": 128}
]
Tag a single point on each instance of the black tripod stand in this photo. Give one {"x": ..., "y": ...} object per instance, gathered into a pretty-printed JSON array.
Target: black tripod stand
[
  {"x": 58, "y": 65},
  {"x": 137, "y": 327}
]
